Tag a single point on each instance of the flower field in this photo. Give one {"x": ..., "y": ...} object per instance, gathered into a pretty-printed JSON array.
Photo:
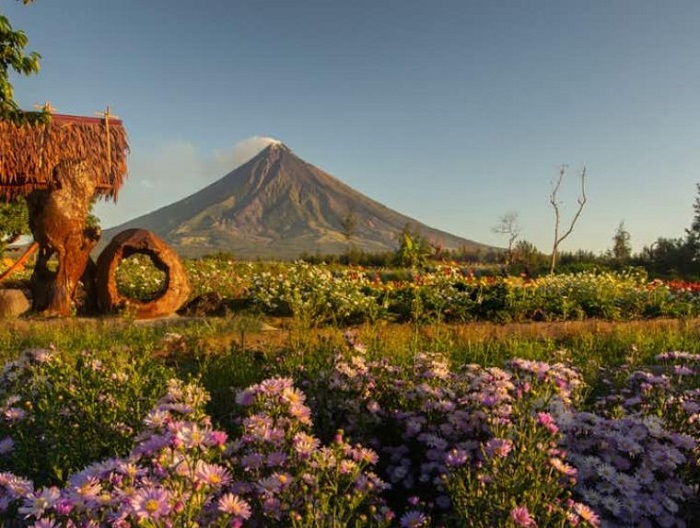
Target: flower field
[
  {"x": 364, "y": 442},
  {"x": 316, "y": 295},
  {"x": 358, "y": 424}
]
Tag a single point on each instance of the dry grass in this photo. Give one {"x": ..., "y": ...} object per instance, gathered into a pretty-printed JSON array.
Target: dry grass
[{"x": 30, "y": 151}]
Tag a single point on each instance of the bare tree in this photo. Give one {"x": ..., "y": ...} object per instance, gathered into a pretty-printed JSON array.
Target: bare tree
[
  {"x": 508, "y": 225},
  {"x": 556, "y": 204}
]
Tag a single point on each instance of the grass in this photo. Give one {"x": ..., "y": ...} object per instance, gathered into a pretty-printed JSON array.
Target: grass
[{"x": 235, "y": 351}]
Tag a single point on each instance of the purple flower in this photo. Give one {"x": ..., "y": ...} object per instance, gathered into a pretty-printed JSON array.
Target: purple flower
[
  {"x": 245, "y": 398},
  {"x": 414, "y": 519},
  {"x": 305, "y": 444},
  {"x": 586, "y": 514},
  {"x": 6, "y": 445},
  {"x": 545, "y": 419},
  {"x": 84, "y": 488},
  {"x": 276, "y": 458},
  {"x": 456, "y": 458},
  {"x": 233, "y": 505},
  {"x": 188, "y": 435},
  {"x": 216, "y": 438},
  {"x": 44, "y": 523},
  {"x": 682, "y": 370},
  {"x": 14, "y": 414},
  {"x": 521, "y": 517},
  {"x": 39, "y": 502},
  {"x": 300, "y": 412},
  {"x": 211, "y": 474},
  {"x": 252, "y": 460},
  {"x": 272, "y": 507},
  {"x": 498, "y": 447},
  {"x": 150, "y": 503}
]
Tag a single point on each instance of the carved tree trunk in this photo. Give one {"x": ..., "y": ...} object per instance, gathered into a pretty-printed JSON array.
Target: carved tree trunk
[{"x": 57, "y": 218}]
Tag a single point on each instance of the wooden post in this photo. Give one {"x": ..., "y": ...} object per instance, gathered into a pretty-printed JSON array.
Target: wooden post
[
  {"x": 106, "y": 115},
  {"x": 49, "y": 110},
  {"x": 17, "y": 265}
]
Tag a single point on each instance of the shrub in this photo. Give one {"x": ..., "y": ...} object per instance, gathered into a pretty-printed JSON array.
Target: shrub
[
  {"x": 313, "y": 295},
  {"x": 60, "y": 413},
  {"x": 182, "y": 472}
]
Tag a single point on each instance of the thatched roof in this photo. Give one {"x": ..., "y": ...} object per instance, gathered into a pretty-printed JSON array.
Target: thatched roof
[{"x": 29, "y": 152}]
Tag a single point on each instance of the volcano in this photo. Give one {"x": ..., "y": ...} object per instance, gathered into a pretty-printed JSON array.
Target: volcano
[{"x": 279, "y": 206}]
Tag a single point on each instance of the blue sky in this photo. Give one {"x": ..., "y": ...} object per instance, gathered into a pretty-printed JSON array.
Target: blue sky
[{"x": 452, "y": 111}]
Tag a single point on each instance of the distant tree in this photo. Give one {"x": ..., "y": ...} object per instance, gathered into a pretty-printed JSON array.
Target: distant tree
[
  {"x": 437, "y": 248},
  {"x": 621, "y": 250},
  {"x": 693, "y": 233},
  {"x": 527, "y": 258},
  {"x": 414, "y": 250},
  {"x": 559, "y": 236},
  {"x": 668, "y": 258},
  {"x": 582, "y": 260},
  {"x": 348, "y": 224},
  {"x": 508, "y": 225},
  {"x": 675, "y": 257}
]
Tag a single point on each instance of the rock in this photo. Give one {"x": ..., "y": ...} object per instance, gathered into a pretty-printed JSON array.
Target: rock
[
  {"x": 13, "y": 303},
  {"x": 142, "y": 241},
  {"x": 207, "y": 304},
  {"x": 264, "y": 327}
]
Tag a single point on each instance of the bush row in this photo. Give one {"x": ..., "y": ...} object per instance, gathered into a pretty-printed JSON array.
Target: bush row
[{"x": 315, "y": 295}]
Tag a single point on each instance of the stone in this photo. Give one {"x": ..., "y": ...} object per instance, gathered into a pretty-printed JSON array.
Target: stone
[
  {"x": 13, "y": 303},
  {"x": 141, "y": 241},
  {"x": 207, "y": 304}
]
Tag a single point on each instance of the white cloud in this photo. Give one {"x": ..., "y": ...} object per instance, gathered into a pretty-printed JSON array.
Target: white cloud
[
  {"x": 172, "y": 172},
  {"x": 224, "y": 161}
]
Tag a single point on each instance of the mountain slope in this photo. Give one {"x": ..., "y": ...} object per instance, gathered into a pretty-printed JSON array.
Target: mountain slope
[{"x": 278, "y": 206}]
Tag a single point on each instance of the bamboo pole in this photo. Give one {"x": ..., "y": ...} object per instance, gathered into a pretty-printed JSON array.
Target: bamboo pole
[{"x": 28, "y": 253}]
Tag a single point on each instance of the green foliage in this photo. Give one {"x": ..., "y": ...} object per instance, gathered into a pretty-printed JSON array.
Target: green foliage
[
  {"x": 530, "y": 473},
  {"x": 621, "y": 250},
  {"x": 693, "y": 233},
  {"x": 13, "y": 58},
  {"x": 13, "y": 216},
  {"x": 669, "y": 258},
  {"x": 64, "y": 411},
  {"x": 526, "y": 258},
  {"x": 138, "y": 278},
  {"x": 14, "y": 221},
  {"x": 414, "y": 250},
  {"x": 220, "y": 269},
  {"x": 313, "y": 295}
]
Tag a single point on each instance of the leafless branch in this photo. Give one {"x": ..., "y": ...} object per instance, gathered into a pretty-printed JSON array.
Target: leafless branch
[{"x": 581, "y": 200}]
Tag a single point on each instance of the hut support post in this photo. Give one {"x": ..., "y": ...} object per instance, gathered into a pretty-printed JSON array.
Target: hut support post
[{"x": 57, "y": 217}]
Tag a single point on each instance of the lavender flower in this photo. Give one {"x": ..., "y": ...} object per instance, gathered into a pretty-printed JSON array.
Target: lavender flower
[
  {"x": 151, "y": 503},
  {"x": 521, "y": 517},
  {"x": 233, "y": 505}
]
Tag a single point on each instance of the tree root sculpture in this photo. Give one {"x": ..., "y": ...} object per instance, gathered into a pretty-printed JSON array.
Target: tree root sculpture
[
  {"x": 57, "y": 217},
  {"x": 135, "y": 241}
]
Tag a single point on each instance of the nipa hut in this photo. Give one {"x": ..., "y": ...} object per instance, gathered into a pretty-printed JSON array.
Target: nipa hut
[{"x": 30, "y": 151}]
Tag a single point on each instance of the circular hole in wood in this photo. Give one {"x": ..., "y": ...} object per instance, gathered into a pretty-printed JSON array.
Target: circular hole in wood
[{"x": 139, "y": 277}]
